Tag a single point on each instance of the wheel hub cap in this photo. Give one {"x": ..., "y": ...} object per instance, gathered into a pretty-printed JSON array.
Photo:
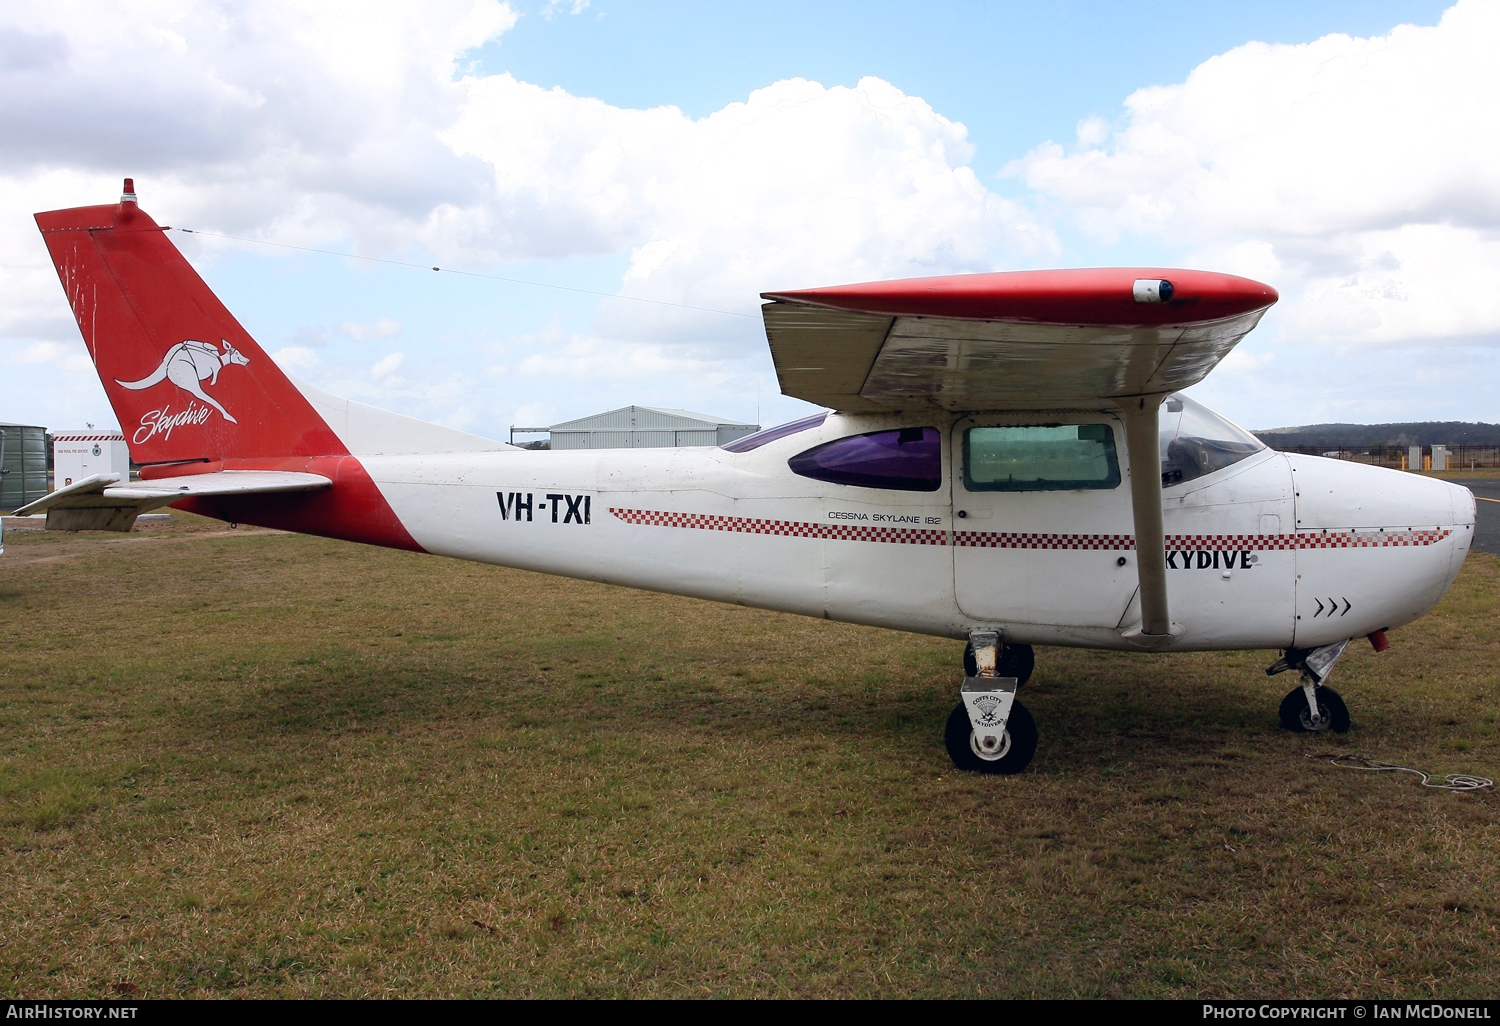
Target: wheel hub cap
[{"x": 990, "y": 747}]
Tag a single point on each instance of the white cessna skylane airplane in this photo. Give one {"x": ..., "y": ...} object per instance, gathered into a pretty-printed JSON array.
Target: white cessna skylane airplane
[{"x": 1007, "y": 459}]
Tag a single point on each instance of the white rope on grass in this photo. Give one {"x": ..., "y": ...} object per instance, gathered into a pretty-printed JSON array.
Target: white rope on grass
[{"x": 1368, "y": 764}]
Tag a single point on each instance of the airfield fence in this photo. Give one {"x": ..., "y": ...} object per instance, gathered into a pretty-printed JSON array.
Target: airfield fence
[{"x": 1460, "y": 457}]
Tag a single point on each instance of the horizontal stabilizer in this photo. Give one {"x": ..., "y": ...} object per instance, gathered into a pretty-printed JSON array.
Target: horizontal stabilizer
[{"x": 103, "y": 503}]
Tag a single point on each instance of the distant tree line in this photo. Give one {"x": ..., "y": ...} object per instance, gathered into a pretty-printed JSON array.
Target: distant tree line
[{"x": 1361, "y": 436}]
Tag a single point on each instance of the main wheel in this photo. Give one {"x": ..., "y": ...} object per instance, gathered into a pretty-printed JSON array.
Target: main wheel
[
  {"x": 1012, "y": 755},
  {"x": 1333, "y": 714},
  {"x": 1015, "y": 661}
]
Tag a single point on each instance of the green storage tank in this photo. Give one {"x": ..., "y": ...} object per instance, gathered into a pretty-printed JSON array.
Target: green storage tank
[{"x": 25, "y": 465}]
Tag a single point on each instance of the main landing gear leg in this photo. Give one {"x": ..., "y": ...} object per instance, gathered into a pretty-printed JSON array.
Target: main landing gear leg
[
  {"x": 1012, "y": 661},
  {"x": 989, "y": 731},
  {"x": 1313, "y": 706}
]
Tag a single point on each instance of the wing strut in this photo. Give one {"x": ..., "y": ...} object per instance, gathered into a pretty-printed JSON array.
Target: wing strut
[{"x": 1142, "y": 442}]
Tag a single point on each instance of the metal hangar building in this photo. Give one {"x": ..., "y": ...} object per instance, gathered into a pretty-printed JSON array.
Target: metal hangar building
[{"x": 641, "y": 427}]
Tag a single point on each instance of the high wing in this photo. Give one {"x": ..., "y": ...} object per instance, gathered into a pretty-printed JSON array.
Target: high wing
[
  {"x": 103, "y": 503},
  {"x": 1011, "y": 340},
  {"x": 1099, "y": 338}
]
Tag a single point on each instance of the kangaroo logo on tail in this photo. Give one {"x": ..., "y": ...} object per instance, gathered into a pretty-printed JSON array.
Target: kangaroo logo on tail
[{"x": 190, "y": 362}]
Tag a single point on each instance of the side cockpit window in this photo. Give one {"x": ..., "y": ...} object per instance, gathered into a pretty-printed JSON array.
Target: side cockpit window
[
  {"x": 1196, "y": 441},
  {"x": 1040, "y": 458},
  {"x": 906, "y": 459}
]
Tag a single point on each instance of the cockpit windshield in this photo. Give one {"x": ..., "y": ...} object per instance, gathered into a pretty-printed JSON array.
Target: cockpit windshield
[{"x": 1196, "y": 441}]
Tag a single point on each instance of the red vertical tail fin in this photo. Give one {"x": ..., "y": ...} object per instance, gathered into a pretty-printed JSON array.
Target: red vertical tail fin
[{"x": 185, "y": 379}]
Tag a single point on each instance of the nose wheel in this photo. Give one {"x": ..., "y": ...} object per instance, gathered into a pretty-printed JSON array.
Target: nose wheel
[
  {"x": 1297, "y": 714},
  {"x": 1314, "y": 706}
]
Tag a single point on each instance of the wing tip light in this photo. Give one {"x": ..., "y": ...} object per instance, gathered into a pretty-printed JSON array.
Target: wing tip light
[{"x": 1152, "y": 290}]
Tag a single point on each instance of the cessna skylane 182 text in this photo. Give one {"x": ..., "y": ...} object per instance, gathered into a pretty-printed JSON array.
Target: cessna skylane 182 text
[{"x": 1007, "y": 459}]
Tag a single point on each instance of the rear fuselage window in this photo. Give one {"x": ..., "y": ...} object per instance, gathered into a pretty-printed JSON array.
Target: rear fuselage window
[
  {"x": 1053, "y": 457},
  {"x": 771, "y": 434},
  {"x": 906, "y": 459}
]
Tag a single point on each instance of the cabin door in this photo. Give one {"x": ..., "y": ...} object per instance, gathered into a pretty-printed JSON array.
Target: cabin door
[{"x": 1042, "y": 519}]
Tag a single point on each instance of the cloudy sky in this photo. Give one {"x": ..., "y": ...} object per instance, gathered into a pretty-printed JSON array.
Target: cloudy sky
[{"x": 698, "y": 154}]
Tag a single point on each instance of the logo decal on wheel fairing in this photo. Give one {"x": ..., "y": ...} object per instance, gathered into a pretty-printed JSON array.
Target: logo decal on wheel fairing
[{"x": 988, "y": 706}]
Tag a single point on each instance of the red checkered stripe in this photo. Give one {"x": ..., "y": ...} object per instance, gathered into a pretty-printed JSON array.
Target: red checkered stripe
[
  {"x": 788, "y": 528},
  {"x": 1201, "y": 542},
  {"x": 1365, "y": 540},
  {"x": 1012, "y": 540},
  {"x": 1017, "y": 540}
]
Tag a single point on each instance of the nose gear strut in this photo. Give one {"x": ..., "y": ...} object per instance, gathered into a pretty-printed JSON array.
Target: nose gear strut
[{"x": 1313, "y": 706}]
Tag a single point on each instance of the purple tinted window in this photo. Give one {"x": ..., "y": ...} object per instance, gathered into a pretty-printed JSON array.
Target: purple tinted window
[
  {"x": 907, "y": 459},
  {"x": 770, "y": 434}
]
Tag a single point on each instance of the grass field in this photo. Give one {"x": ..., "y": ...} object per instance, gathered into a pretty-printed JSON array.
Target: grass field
[{"x": 242, "y": 763}]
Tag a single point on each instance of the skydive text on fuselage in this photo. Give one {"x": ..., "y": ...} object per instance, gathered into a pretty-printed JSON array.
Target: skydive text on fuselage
[
  {"x": 574, "y": 509},
  {"x": 1198, "y": 559}
]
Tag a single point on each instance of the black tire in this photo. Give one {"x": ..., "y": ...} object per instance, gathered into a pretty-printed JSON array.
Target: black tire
[
  {"x": 1332, "y": 712},
  {"x": 1015, "y": 661},
  {"x": 1020, "y": 733}
]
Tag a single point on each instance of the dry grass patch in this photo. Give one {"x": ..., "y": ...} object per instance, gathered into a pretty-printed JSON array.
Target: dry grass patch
[{"x": 251, "y": 763}]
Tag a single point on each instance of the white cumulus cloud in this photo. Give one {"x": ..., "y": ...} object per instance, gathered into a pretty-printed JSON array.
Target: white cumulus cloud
[
  {"x": 361, "y": 126},
  {"x": 1361, "y": 175},
  {"x": 388, "y": 365},
  {"x": 300, "y": 122},
  {"x": 385, "y": 327},
  {"x": 297, "y": 358},
  {"x": 310, "y": 117},
  {"x": 798, "y": 185}
]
